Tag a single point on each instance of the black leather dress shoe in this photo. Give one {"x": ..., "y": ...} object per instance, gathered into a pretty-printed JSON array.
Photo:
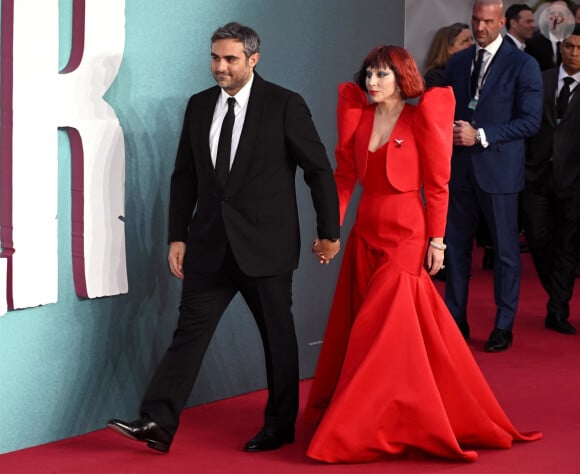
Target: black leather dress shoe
[
  {"x": 559, "y": 324},
  {"x": 145, "y": 430},
  {"x": 269, "y": 439},
  {"x": 499, "y": 340}
]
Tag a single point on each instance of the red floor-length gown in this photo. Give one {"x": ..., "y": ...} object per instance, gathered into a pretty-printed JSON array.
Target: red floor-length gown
[{"x": 395, "y": 374}]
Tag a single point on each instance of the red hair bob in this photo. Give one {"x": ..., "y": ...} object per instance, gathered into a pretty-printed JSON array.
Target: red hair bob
[{"x": 400, "y": 62}]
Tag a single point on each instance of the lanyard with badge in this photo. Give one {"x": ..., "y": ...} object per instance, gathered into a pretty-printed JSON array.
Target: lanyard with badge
[{"x": 473, "y": 101}]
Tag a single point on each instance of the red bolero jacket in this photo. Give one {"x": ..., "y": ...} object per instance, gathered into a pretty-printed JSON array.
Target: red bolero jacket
[{"x": 418, "y": 152}]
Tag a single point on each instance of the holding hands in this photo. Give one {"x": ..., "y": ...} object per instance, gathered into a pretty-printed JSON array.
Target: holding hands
[{"x": 325, "y": 250}]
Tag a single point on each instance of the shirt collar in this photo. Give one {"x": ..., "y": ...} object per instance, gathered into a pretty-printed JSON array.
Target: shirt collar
[
  {"x": 562, "y": 74},
  {"x": 554, "y": 39},
  {"x": 491, "y": 47},
  {"x": 517, "y": 42},
  {"x": 242, "y": 96}
]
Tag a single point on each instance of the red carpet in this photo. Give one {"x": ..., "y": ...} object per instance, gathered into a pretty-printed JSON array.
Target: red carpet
[{"x": 537, "y": 381}]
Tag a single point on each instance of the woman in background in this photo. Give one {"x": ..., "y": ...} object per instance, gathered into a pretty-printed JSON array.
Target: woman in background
[
  {"x": 447, "y": 40},
  {"x": 395, "y": 375}
]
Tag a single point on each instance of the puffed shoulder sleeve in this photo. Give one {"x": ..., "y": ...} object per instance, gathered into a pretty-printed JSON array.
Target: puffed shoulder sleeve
[
  {"x": 351, "y": 102},
  {"x": 434, "y": 136}
]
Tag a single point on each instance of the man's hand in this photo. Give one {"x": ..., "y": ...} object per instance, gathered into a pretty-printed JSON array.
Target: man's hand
[
  {"x": 325, "y": 250},
  {"x": 464, "y": 134},
  {"x": 175, "y": 258}
]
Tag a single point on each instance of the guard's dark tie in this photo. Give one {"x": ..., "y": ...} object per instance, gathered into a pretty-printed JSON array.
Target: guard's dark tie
[
  {"x": 222, "y": 162},
  {"x": 563, "y": 98},
  {"x": 476, "y": 72}
]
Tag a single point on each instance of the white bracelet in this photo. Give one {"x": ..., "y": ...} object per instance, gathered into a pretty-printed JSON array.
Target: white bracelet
[{"x": 437, "y": 246}]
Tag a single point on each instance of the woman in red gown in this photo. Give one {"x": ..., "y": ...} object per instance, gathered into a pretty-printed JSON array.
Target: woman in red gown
[{"x": 395, "y": 374}]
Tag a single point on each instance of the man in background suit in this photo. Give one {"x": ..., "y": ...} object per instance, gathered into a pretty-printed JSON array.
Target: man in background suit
[
  {"x": 546, "y": 50},
  {"x": 499, "y": 104},
  {"x": 520, "y": 25},
  {"x": 240, "y": 146},
  {"x": 552, "y": 191}
]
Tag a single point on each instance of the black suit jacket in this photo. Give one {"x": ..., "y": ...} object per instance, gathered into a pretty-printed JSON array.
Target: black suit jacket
[
  {"x": 540, "y": 48},
  {"x": 554, "y": 153},
  {"x": 256, "y": 213}
]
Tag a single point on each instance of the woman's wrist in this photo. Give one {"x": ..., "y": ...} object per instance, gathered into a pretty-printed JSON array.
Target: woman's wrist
[{"x": 437, "y": 245}]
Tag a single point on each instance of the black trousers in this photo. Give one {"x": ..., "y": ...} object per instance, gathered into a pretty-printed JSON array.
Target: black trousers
[
  {"x": 552, "y": 224},
  {"x": 203, "y": 302}
]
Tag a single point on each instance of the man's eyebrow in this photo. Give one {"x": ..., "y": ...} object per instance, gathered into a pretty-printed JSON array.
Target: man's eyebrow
[{"x": 228, "y": 57}]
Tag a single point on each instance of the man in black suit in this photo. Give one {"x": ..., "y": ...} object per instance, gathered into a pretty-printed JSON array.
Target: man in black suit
[
  {"x": 543, "y": 50},
  {"x": 546, "y": 50},
  {"x": 519, "y": 25},
  {"x": 235, "y": 173},
  {"x": 552, "y": 190}
]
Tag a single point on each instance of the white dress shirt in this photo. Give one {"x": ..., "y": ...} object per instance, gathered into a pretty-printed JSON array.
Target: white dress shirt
[
  {"x": 221, "y": 108},
  {"x": 521, "y": 46},
  {"x": 491, "y": 50},
  {"x": 555, "y": 44},
  {"x": 561, "y": 75}
]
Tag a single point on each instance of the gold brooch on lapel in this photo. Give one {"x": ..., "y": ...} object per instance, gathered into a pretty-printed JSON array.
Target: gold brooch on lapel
[{"x": 398, "y": 142}]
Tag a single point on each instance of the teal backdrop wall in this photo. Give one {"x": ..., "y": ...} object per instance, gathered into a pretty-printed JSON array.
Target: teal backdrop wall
[{"x": 67, "y": 368}]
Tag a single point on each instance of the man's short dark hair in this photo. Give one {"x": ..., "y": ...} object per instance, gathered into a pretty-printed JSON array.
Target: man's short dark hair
[
  {"x": 244, "y": 34},
  {"x": 513, "y": 13}
]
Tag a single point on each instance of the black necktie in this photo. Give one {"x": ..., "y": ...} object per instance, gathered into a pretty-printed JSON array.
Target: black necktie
[
  {"x": 558, "y": 57},
  {"x": 222, "y": 162},
  {"x": 563, "y": 98},
  {"x": 476, "y": 72}
]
